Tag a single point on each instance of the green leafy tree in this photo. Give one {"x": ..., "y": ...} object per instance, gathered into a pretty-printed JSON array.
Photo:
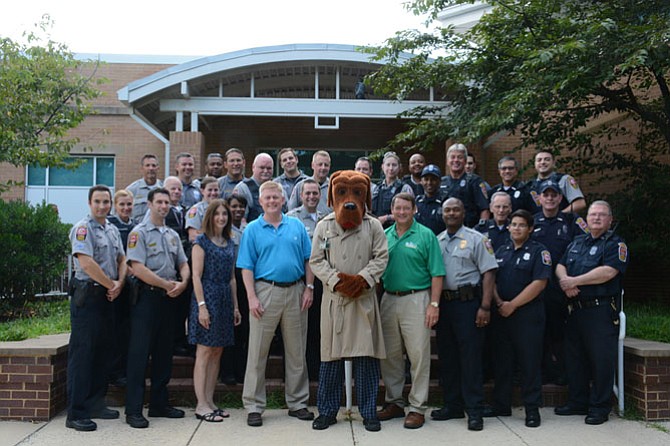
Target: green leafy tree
[
  {"x": 585, "y": 79},
  {"x": 44, "y": 92}
]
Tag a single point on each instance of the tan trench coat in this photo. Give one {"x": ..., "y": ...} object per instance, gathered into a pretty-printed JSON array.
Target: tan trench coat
[{"x": 349, "y": 327}]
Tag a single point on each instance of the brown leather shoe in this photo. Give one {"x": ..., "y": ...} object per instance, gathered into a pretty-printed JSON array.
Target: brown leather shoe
[
  {"x": 390, "y": 410},
  {"x": 414, "y": 420}
]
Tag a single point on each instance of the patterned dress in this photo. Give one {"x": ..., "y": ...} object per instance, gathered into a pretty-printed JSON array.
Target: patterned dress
[{"x": 216, "y": 286}]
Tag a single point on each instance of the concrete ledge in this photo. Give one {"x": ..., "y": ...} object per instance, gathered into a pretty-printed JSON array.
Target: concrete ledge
[
  {"x": 646, "y": 349},
  {"x": 44, "y": 345}
]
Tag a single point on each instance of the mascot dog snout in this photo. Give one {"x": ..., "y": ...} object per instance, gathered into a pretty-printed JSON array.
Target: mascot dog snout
[
  {"x": 350, "y": 206},
  {"x": 348, "y": 196}
]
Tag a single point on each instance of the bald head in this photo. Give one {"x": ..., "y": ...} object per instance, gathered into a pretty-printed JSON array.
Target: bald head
[{"x": 262, "y": 168}]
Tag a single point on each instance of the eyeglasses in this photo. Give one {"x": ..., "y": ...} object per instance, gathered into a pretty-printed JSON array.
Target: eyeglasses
[{"x": 507, "y": 168}]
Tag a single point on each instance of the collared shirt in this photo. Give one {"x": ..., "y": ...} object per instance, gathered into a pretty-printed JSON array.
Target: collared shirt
[
  {"x": 295, "y": 200},
  {"x": 289, "y": 183},
  {"x": 307, "y": 219},
  {"x": 471, "y": 190},
  {"x": 414, "y": 259},
  {"x": 498, "y": 234},
  {"x": 227, "y": 185},
  {"x": 586, "y": 253},
  {"x": 517, "y": 268},
  {"x": 140, "y": 190},
  {"x": 466, "y": 256},
  {"x": 195, "y": 215},
  {"x": 276, "y": 254},
  {"x": 518, "y": 193},
  {"x": 123, "y": 227},
  {"x": 100, "y": 242},
  {"x": 429, "y": 213},
  {"x": 556, "y": 233},
  {"x": 158, "y": 248},
  {"x": 566, "y": 183},
  {"x": 190, "y": 195}
]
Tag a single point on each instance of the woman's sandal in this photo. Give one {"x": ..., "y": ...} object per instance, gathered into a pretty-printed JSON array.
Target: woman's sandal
[
  {"x": 212, "y": 417},
  {"x": 221, "y": 412}
]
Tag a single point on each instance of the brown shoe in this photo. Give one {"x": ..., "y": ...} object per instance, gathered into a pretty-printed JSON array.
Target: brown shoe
[
  {"x": 414, "y": 420},
  {"x": 390, "y": 410}
]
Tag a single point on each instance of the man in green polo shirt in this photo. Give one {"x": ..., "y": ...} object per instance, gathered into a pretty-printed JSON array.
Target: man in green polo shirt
[{"x": 409, "y": 309}]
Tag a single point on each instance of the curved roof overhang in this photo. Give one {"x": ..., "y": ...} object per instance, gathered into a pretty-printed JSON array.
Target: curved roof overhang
[{"x": 315, "y": 80}]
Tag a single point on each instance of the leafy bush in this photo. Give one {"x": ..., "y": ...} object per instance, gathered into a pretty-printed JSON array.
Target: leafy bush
[{"x": 33, "y": 251}]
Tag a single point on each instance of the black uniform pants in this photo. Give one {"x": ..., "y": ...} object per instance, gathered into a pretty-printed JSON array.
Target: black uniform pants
[
  {"x": 151, "y": 334},
  {"x": 591, "y": 355},
  {"x": 556, "y": 309},
  {"x": 459, "y": 347},
  {"x": 121, "y": 336},
  {"x": 519, "y": 337},
  {"x": 91, "y": 318}
]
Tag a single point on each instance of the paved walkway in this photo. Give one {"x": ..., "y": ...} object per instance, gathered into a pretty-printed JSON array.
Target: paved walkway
[{"x": 279, "y": 430}]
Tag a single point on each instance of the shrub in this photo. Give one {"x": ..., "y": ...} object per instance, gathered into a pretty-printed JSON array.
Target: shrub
[{"x": 33, "y": 251}]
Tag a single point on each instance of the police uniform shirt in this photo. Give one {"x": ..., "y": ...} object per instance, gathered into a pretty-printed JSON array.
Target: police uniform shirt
[
  {"x": 227, "y": 185},
  {"x": 417, "y": 188},
  {"x": 466, "y": 256},
  {"x": 307, "y": 219},
  {"x": 556, "y": 233},
  {"x": 429, "y": 213},
  {"x": 471, "y": 190},
  {"x": 190, "y": 195},
  {"x": 140, "y": 190},
  {"x": 195, "y": 215},
  {"x": 295, "y": 199},
  {"x": 123, "y": 227},
  {"x": 518, "y": 194},
  {"x": 517, "y": 268},
  {"x": 566, "y": 183},
  {"x": 586, "y": 253},
  {"x": 499, "y": 235},
  {"x": 100, "y": 242},
  {"x": 241, "y": 189},
  {"x": 383, "y": 195},
  {"x": 289, "y": 183},
  {"x": 158, "y": 248}
]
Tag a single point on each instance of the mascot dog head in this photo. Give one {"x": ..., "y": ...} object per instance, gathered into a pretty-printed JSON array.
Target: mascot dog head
[{"x": 348, "y": 195}]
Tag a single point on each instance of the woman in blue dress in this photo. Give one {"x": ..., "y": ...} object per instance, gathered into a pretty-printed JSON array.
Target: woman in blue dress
[{"x": 214, "y": 310}]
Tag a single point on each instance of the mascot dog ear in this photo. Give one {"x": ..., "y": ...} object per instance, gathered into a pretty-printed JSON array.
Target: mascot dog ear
[
  {"x": 331, "y": 186},
  {"x": 349, "y": 173}
]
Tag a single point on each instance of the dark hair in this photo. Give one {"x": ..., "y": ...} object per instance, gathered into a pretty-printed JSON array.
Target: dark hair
[
  {"x": 208, "y": 219},
  {"x": 158, "y": 190},
  {"x": 207, "y": 180},
  {"x": 403, "y": 196},
  {"x": 522, "y": 213},
  {"x": 99, "y": 188},
  {"x": 240, "y": 198},
  {"x": 148, "y": 155},
  {"x": 233, "y": 150},
  {"x": 214, "y": 155}
]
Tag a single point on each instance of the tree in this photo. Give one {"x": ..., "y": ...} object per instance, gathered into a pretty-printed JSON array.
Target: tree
[
  {"x": 43, "y": 94},
  {"x": 585, "y": 79}
]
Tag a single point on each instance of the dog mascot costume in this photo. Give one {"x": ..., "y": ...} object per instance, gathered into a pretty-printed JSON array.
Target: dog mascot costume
[{"x": 349, "y": 255}]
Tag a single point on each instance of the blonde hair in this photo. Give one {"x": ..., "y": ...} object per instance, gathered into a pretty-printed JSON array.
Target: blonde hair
[{"x": 122, "y": 193}]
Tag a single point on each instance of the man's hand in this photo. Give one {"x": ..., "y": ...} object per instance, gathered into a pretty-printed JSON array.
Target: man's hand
[
  {"x": 432, "y": 315},
  {"x": 483, "y": 317},
  {"x": 255, "y": 307},
  {"x": 307, "y": 299},
  {"x": 113, "y": 293}
]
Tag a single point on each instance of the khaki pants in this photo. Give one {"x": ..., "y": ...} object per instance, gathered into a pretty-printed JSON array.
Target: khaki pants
[
  {"x": 282, "y": 307},
  {"x": 404, "y": 328}
]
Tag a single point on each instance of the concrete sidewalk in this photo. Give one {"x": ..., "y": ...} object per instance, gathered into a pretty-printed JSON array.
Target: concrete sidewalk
[{"x": 279, "y": 429}]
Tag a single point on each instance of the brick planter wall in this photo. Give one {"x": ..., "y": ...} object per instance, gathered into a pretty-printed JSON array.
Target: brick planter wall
[
  {"x": 647, "y": 378},
  {"x": 33, "y": 378}
]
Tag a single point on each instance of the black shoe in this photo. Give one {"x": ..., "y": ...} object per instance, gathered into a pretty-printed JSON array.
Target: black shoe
[
  {"x": 595, "y": 419},
  {"x": 491, "y": 412},
  {"x": 475, "y": 423},
  {"x": 372, "y": 425},
  {"x": 229, "y": 380},
  {"x": 446, "y": 414},
  {"x": 254, "y": 419},
  {"x": 323, "y": 422},
  {"x": 569, "y": 410},
  {"x": 183, "y": 350},
  {"x": 301, "y": 414},
  {"x": 84, "y": 425},
  {"x": 137, "y": 421},
  {"x": 166, "y": 412},
  {"x": 533, "y": 418},
  {"x": 119, "y": 382},
  {"x": 106, "y": 414}
]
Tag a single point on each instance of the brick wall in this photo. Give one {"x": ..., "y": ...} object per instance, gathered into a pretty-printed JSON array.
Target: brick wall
[{"x": 647, "y": 378}]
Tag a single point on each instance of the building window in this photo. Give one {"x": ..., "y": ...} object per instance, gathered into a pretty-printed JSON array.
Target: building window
[{"x": 92, "y": 170}]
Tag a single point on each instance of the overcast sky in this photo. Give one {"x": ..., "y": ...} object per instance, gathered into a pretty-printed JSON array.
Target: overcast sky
[{"x": 206, "y": 27}]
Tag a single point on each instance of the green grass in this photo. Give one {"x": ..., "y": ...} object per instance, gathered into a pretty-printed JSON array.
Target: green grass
[
  {"x": 38, "y": 318},
  {"x": 649, "y": 321}
]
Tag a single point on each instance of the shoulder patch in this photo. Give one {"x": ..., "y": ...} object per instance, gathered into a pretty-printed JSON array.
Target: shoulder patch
[
  {"x": 482, "y": 186},
  {"x": 536, "y": 197},
  {"x": 132, "y": 240},
  {"x": 623, "y": 252},
  {"x": 582, "y": 225},
  {"x": 81, "y": 233},
  {"x": 573, "y": 182},
  {"x": 192, "y": 212},
  {"x": 488, "y": 245},
  {"x": 546, "y": 258}
]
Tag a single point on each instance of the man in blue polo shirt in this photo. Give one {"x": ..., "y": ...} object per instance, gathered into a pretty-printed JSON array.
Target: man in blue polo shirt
[{"x": 273, "y": 256}]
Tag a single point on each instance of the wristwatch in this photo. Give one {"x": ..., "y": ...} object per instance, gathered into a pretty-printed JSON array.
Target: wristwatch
[
  {"x": 310, "y": 286},
  {"x": 435, "y": 304}
]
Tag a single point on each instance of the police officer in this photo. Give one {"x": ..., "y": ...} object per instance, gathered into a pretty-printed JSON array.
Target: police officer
[
  {"x": 465, "y": 309},
  {"x": 288, "y": 161},
  {"x": 524, "y": 267},
  {"x": 573, "y": 198},
  {"x": 429, "y": 205},
  {"x": 417, "y": 163},
  {"x": 249, "y": 187},
  {"x": 496, "y": 228},
  {"x": 555, "y": 230},
  {"x": 388, "y": 188},
  {"x": 184, "y": 165},
  {"x": 234, "y": 162},
  {"x": 100, "y": 271},
  {"x": 157, "y": 258},
  {"x": 590, "y": 274},
  {"x": 508, "y": 169},
  {"x": 140, "y": 188},
  {"x": 467, "y": 187}
]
